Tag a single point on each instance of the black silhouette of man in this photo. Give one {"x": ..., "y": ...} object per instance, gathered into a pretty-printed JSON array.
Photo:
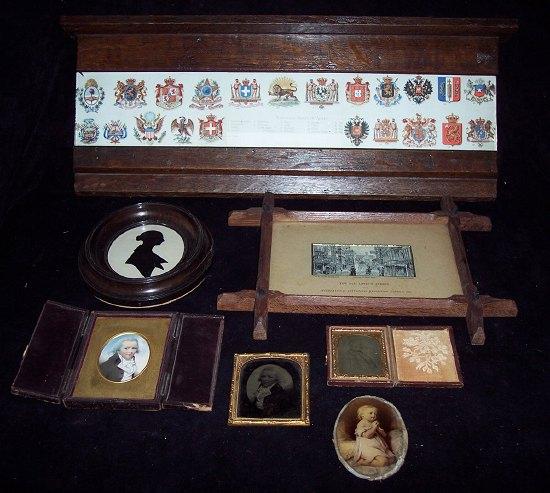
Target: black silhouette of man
[{"x": 143, "y": 258}]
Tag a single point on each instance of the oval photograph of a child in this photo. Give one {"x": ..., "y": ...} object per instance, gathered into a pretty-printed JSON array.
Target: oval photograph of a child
[
  {"x": 124, "y": 357},
  {"x": 370, "y": 438}
]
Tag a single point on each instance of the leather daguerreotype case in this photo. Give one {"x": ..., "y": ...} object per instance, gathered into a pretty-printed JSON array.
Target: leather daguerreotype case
[
  {"x": 270, "y": 389},
  {"x": 392, "y": 356},
  {"x": 121, "y": 360}
]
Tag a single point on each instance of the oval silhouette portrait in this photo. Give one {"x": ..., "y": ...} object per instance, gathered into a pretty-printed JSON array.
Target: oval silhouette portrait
[
  {"x": 370, "y": 438},
  {"x": 124, "y": 357},
  {"x": 145, "y": 251}
]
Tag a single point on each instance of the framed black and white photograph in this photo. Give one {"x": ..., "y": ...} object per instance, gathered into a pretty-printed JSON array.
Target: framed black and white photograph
[
  {"x": 270, "y": 389},
  {"x": 329, "y": 259}
]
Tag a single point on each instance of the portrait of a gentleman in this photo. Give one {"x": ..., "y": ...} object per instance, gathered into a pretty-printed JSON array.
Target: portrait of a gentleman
[
  {"x": 270, "y": 393},
  {"x": 124, "y": 357}
]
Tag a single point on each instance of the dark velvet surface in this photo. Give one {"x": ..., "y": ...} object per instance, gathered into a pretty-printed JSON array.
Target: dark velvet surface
[{"x": 491, "y": 432}]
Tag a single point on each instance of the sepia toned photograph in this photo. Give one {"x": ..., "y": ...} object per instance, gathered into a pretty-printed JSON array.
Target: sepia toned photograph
[
  {"x": 370, "y": 438},
  {"x": 358, "y": 356},
  {"x": 124, "y": 357},
  {"x": 329, "y": 259},
  {"x": 270, "y": 389}
]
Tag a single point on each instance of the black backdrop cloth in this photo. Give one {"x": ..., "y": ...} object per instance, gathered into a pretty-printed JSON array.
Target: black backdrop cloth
[{"x": 491, "y": 432}]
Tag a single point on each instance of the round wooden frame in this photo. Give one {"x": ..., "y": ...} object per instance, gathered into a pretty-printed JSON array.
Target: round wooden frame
[{"x": 117, "y": 290}]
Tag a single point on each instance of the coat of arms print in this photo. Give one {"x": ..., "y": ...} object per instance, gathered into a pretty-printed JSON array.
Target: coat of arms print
[
  {"x": 284, "y": 91},
  {"x": 115, "y": 131},
  {"x": 480, "y": 91},
  {"x": 452, "y": 131},
  {"x": 245, "y": 92},
  {"x": 356, "y": 130},
  {"x": 357, "y": 92},
  {"x": 387, "y": 92},
  {"x": 130, "y": 95},
  {"x": 169, "y": 95},
  {"x": 88, "y": 131},
  {"x": 419, "y": 131},
  {"x": 148, "y": 128},
  {"x": 418, "y": 89},
  {"x": 322, "y": 92},
  {"x": 385, "y": 130},
  {"x": 211, "y": 129},
  {"x": 91, "y": 96},
  {"x": 207, "y": 95},
  {"x": 480, "y": 131},
  {"x": 182, "y": 128}
]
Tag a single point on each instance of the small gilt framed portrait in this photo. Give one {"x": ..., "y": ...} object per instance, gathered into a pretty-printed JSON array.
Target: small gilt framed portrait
[{"x": 270, "y": 389}]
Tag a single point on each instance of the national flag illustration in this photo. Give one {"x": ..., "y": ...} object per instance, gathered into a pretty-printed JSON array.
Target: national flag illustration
[{"x": 448, "y": 89}]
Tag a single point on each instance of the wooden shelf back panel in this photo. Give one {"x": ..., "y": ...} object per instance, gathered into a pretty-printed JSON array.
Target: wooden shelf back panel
[
  {"x": 358, "y": 162},
  {"x": 287, "y": 44},
  {"x": 337, "y": 187},
  {"x": 280, "y": 52}
]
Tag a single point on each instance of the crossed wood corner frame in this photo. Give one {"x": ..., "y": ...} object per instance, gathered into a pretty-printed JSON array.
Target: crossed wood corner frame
[{"x": 470, "y": 305}]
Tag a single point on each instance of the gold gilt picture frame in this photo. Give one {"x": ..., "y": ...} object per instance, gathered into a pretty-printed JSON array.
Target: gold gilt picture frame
[{"x": 270, "y": 389}]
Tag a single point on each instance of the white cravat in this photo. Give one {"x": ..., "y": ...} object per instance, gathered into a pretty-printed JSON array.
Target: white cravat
[
  {"x": 128, "y": 366},
  {"x": 261, "y": 394}
]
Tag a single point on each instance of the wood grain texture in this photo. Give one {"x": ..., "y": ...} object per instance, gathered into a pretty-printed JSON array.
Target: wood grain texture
[
  {"x": 467, "y": 221},
  {"x": 368, "y": 188},
  {"x": 455, "y": 306},
  {"x": 261, "y": 311},
  {"x": 474, "y": 314},
  {"x": 235, "y": 24},
  {"x": 411, "y": 53},
  {"x": 291, "y": 44},
  {"x": 342, "y": 162}
]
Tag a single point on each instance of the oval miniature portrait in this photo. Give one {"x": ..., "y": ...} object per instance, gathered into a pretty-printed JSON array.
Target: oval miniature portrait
[
  {"x": 124, "y": 357},
  {"x": 145, "y": 251},
  {"x": 370, "y": 438}
]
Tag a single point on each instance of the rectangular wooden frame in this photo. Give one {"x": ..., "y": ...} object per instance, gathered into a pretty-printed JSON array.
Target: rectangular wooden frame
[
  {"x": 312, "y": 44},
  {"x": 471, "y": 305}
]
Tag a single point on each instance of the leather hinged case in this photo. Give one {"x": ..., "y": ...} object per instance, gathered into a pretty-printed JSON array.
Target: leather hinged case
[{"x": 65, "y": 360}]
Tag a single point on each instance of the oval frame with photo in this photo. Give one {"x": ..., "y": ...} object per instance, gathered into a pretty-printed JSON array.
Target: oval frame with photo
[
  {"x": 113, "y": 363},
  {"x": 370, "y": 444}
]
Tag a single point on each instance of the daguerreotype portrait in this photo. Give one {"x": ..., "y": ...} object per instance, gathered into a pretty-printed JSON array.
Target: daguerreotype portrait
[
  {"x": 370, "y": 438},
  {"x": 358, "y": 356},
  {"x": 124, "y": 357},
  {"x": 270, "y": 389},
  {"x": 329, "y": 259}
]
